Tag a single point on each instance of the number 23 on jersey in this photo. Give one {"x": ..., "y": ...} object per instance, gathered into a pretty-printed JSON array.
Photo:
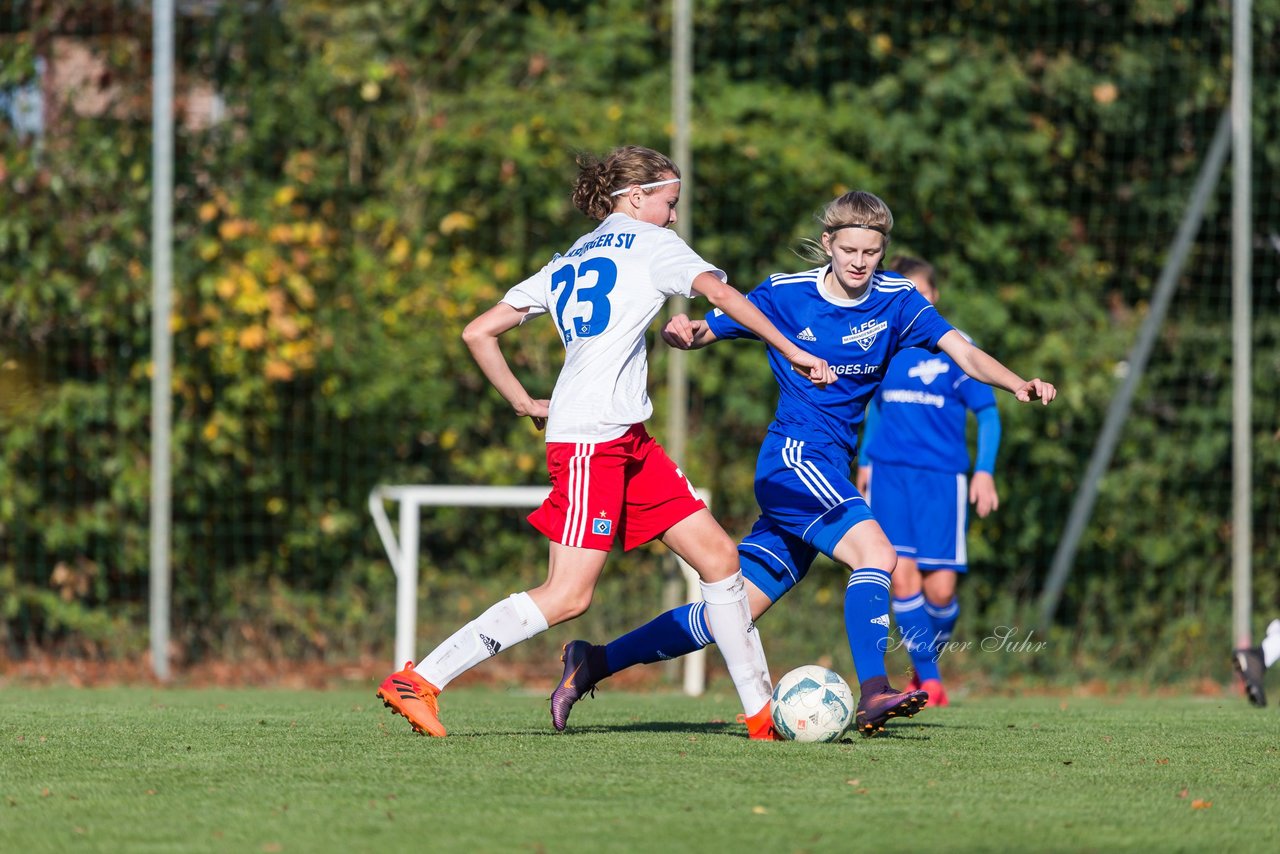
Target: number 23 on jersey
[{"x": 593, "y": 279}]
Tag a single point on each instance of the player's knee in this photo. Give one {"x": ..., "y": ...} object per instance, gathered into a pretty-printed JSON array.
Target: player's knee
[
  {"x": 882, "y": 556},
  {"x": 720, "y": 560}
]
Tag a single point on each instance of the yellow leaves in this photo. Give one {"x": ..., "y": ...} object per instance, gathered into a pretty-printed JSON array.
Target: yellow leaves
[
  {"x": 457, "y": 221},
  {"x": 252, "y": 338},
  {"x": 207, "y": 212},
  {"x": 399, "y": 251},
  {"x": 284, "y": 196},
  {"x": 370, "y": 90},
  {"x": 275, "y": 505},
  {"x": 448, "y": 439},
  {"x": 613, "y": 112},
  {"x": 278, "y": 370},
  {"x": 234, "y": 229},
  {"x": 1105, "y": 93}
]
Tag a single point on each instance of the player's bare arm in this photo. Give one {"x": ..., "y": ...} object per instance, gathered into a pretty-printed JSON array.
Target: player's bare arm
[
  {"x": 986, "y": 368},
  {"x": 728, "y": 299},
  {"x": 481, "y": 338}
]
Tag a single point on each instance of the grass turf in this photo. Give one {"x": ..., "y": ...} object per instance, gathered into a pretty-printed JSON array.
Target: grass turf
[{"x": 148, "y": 769}]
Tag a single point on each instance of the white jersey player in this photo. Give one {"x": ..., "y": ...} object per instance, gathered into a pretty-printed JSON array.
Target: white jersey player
[{"x": 610, "y": 481}]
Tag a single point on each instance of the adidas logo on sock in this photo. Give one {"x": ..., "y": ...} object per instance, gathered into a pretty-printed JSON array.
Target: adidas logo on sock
[
  {"x": 807, "y": 335},
  {"x": 882, "y": 620},
  {"x": 492, "y": 645}
]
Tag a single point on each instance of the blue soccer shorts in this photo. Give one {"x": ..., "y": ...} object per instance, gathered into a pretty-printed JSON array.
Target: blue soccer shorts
[
  {"x": 807, "y": 505},
  {"x": 924, "y": 513}
]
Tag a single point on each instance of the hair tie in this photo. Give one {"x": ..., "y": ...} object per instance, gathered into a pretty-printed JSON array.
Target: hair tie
[{"x": 648, "y": 186}]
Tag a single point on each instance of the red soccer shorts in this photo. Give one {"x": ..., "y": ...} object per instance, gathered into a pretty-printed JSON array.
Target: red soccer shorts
[{"x": 625, "y": 488}]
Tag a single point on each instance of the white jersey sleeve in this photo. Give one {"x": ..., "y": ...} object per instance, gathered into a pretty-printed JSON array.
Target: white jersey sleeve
[
  {"x": 532, "y": 293},
  {"x": 675, "y": 265}
]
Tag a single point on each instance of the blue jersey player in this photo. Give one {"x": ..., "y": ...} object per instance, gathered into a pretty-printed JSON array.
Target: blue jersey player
[
  {"x": 913, "y": 466},
  {"x": 857, "y": 318}
]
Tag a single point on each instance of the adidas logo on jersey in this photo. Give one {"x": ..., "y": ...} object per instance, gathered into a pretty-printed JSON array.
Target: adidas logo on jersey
[{"x": 807, "y": 335}]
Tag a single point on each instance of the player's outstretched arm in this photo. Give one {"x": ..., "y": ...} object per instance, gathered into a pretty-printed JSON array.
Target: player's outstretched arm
[
  {"x": 481, "y": 338},
  {"x": 728, "y": 299},
  {"x": 982, "y": 366}
]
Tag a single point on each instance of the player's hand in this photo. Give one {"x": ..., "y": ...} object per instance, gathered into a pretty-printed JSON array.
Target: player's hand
[
  {"x": 537, "y": 410},
  {"x": 863, "y": 479},
  {"x": 680, "y": 331},
  {"x": 1036, "y": 389},
  {"x": 817, "y": 370},
  {"x": 982, "y": 493}
]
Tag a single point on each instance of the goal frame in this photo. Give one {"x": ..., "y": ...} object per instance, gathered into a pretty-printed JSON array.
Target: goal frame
[{"x": 403, "y": 552}]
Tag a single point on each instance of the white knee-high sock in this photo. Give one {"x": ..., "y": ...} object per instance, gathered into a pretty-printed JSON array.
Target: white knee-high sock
[
  {"x": 728, "y": 615},
  {"x": 509, "y": 622}
]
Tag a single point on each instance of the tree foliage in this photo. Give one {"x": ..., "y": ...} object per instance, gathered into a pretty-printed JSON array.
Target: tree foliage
[{"x": 381, "y": 172}]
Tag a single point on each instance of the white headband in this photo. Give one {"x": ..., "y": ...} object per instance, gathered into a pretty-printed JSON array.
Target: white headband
[{"x": 648, "y": 186}]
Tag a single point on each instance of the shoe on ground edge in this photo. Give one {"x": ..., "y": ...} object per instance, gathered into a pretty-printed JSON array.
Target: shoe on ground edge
[
  {"x": 578, "y": 679},
  {"x": 406, "y": 693},
  {"x": 875, "y": 711},
  {"x": 1249, "y": 665},
  {"x": 760, "y": 725},
  {"x": 937, "y": 694}
]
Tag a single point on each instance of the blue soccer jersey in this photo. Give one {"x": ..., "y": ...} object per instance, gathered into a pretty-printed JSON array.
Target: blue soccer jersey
[
  {"x": 923, "y": 403},
  {"x": 858, "y": 338}
]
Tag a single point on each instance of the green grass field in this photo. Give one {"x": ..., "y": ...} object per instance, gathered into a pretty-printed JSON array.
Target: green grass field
[{"x": 147, "y": 769}]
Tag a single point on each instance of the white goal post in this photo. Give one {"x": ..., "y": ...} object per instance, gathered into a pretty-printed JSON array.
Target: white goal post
[{"x": 403, "y": 553}]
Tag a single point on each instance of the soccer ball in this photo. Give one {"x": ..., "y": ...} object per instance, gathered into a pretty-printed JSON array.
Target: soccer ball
[{"x": 812, "y": 703}]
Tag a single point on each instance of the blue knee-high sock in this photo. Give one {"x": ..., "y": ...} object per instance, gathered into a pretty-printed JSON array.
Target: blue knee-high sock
[
  {"x": 918, "y": 635},
  {"x": 944, "y": 619},
  {"x": 678, "y": 632},
  {"x": 866, "y": 621}
]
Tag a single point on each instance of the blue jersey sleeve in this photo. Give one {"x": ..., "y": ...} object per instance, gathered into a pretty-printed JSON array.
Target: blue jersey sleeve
[
  {"x": 921, "y": 324},
  {"x": 724, "y": 327},
  {"x": 869, "y": 424},
  {"x": 988, "y": 439}
]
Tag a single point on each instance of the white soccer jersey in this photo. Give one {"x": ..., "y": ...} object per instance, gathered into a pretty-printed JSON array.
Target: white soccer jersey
[{"x": 603, "y": 293}]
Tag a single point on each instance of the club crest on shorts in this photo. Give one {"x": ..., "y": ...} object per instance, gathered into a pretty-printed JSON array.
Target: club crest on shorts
[
  {"x": 602, "y": 526},
  {"x": 865, "y": 335}
]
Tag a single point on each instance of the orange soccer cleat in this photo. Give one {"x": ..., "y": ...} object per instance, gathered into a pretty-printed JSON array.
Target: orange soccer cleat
[
  {"x": 760, "y": 725},
  {"x": 406, "y": 693}
]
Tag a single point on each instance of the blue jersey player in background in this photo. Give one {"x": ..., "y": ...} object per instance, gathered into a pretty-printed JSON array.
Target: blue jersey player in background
[
  {"x": 857, "y": 317},
  {"x": 913, "y": 466}
]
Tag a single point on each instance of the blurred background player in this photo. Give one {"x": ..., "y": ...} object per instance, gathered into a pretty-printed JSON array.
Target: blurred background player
[
  {"x": 610, "y": 481},
  {"x": 857, "y": 317},
  {"x": 913, "y": 464},
  {"x": 1251, "y": 663}
]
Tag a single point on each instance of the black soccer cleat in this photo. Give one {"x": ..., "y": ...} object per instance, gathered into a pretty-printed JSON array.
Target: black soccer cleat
[
  {"x": 1250, "y": 666},
  {"x": 874, "y": 712},
  {"x": 584, "y": 666}
]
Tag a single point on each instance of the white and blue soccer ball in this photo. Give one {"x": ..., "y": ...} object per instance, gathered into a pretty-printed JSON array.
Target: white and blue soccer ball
[{"x": 812, "y": 703}]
